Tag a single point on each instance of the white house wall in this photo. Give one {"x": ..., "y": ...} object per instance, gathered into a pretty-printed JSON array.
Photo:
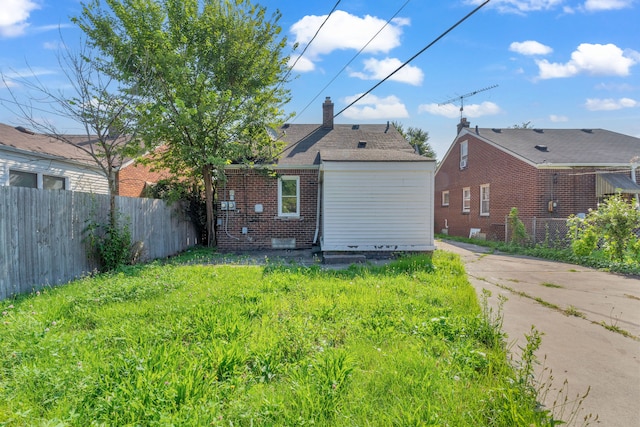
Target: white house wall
[
  {"x": 79, "y": 177},
  {"x": 378, "y": 206}
]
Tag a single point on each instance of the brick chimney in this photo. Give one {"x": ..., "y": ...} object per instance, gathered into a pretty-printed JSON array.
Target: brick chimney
[
  {"x": 463, "y": 124},
  {"x": 327, "y": 114}
]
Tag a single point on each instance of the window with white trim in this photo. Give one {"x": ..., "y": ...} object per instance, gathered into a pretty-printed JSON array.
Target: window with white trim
[
  {"x": 466, "y": 199},
  {"x": 484, "y": 200},
  {"x": 445, "y": 198},
  {"x": 289, "y": 196},
  {"x": 464, "y": 154}
]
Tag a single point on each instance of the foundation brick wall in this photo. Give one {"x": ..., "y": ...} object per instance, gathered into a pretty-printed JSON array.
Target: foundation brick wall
[
  {"x": 513, "y": 183},
  {"x": 252, "y": 188}
]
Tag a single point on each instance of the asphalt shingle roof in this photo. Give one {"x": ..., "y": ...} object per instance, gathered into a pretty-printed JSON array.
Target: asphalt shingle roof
[
  {"x": 565, "y": 146},
  {"x": 308, "y": 144}
]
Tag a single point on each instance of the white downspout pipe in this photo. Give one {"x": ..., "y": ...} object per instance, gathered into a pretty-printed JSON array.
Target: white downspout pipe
[{"x": 315, "y": 236}]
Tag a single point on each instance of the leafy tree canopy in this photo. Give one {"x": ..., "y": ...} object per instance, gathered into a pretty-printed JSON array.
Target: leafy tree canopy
[{"x": 211, "y": 73}]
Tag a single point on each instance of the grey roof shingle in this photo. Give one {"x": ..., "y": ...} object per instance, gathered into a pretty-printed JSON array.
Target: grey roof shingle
[
  {"x": 307, "y": 144},
  {"x": 565, "y": 146}
]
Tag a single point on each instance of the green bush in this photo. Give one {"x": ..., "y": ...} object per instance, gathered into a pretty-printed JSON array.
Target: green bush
[
  {"x": 110, "y": 244},
  {"x": 518, "y": 231},
  {"x": 612, "y": 226}
]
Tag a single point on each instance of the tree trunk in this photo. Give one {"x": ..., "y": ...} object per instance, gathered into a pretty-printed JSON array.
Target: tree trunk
[
  {"x": 208, "y": 197},
  {"x": 113, "y": 191}
]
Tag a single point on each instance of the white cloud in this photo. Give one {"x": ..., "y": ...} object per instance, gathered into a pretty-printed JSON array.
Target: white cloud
[
  {"x": 452, "y": 111},
  {"x": 344, "y": 31},
  {"x": 14, "y": 15},
  {"x": 596, "y": 5},
  {"x": 593, "y": 59},
  {"x": 302, "y": 64},
  {"x": 610, "y": 104},
  {"x": 379, "y": 69},
  {"x": 520, "y": 6},
  {"x": 13, "y": 77},
  {"x": 372, "y": 107},
  {"x": 530, "y": 47},
  {"x": 558, "y": 119}
]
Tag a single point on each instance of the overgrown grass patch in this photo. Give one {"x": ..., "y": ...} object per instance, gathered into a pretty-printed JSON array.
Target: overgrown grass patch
[{"x": 172, "y": 344}]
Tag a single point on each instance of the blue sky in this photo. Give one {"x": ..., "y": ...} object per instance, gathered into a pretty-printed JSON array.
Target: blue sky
[{"x": 554, "y": 63}]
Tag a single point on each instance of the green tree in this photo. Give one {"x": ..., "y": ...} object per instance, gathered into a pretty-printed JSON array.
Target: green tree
[
  {"x": 418, "y": 139},
  {"x": 215, "y": 81},
  {"x": 615, "y": 223}
]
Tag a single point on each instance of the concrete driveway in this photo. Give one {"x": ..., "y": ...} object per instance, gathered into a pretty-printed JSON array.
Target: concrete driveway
[{"x": 570, "y": 305}]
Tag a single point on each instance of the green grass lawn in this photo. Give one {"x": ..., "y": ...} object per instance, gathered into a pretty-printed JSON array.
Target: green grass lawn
[{"x": 405, "y": 344}]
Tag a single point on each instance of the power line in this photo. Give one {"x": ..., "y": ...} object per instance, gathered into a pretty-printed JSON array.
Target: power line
[
  {"x": 351, "y": 60},
  {"x": 413, "y": 57},
  {"x": 312, "y": 39}
]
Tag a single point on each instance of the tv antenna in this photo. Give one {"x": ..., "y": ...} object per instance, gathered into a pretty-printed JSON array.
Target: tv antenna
[{"x": 466, "y": 95}]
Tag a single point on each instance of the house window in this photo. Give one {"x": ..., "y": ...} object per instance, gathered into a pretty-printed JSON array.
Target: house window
[
  {"x": 464, "y": 154},
  {"x": 53, "y": 182},
  {"x": 289, "y": 196},
  {"x": 36, "y": 180},
  {"x": 484, "y": 200},
  {"x": 445, "y": 198},
  {"x": 23, "y": 179},
  {"x": 466, "y": 199}
]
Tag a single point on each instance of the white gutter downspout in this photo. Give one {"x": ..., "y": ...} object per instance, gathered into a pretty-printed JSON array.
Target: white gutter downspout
[{"x": 315, "y": 236}]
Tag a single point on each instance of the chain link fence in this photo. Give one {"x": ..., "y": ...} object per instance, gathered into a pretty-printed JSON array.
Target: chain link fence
[{"x": 547, "y": 232}]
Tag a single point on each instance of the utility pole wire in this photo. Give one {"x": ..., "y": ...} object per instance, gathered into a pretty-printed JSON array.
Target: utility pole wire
[
  {"x": 413, "y": 57},
  {"x": 312, "y": 39},
  {"x": 351, "y": 60}
]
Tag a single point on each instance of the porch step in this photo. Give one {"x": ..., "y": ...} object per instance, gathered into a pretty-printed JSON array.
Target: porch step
[{"x": 343, "y": 258}]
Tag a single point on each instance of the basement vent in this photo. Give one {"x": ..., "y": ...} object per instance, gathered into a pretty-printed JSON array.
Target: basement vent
[
  {"x": 497, "y": 130},
  {"x": 355, "y": 127},
  {"x": 362, "y": 144},
  {"x": 542, "y": 148},
  {"x": 538, "y": 130}
]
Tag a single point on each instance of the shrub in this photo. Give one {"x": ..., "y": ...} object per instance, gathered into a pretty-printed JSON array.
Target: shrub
[
  {"x": 613, "y": 225},
  {"x": 109, "y": 243},
  {"x": 518, "y": 232}
]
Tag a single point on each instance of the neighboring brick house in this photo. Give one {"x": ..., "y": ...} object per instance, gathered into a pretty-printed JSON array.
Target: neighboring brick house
[
  {"x": 29, "y": 159},
  {"x": 134, "y": 178},
  {"x": 545, "y": 173},
  {"x": 342, "y": 188}
]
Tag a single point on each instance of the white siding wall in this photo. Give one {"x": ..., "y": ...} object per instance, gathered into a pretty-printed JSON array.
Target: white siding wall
[
  {"x": 79, "y": 178},
  {"x": 378, "y": 206}
]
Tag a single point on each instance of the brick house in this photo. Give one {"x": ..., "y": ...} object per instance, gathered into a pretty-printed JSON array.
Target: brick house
[
  {"x": 545, "y": 173},
  {"x": 342, "y": 188},
  {"x": 135, "y": 177}
]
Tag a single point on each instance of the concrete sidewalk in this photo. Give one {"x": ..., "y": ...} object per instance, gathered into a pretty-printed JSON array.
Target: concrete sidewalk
[{"x": 576, "y": 348}]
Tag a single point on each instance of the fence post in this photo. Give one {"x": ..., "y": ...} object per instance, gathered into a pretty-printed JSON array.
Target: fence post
[
  {"x": 534, "y": 230},
  {"x": 506, "y": 229}
]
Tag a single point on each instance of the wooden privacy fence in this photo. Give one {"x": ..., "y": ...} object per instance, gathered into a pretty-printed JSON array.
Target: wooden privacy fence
[{"x": 42, "y": 241}]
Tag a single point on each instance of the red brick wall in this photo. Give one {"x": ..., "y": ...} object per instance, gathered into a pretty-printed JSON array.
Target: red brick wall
[
  {"x": 132, "y": 179},
  {"x": 513, "y": 183},
  {"x": 252, "y": 188}
]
